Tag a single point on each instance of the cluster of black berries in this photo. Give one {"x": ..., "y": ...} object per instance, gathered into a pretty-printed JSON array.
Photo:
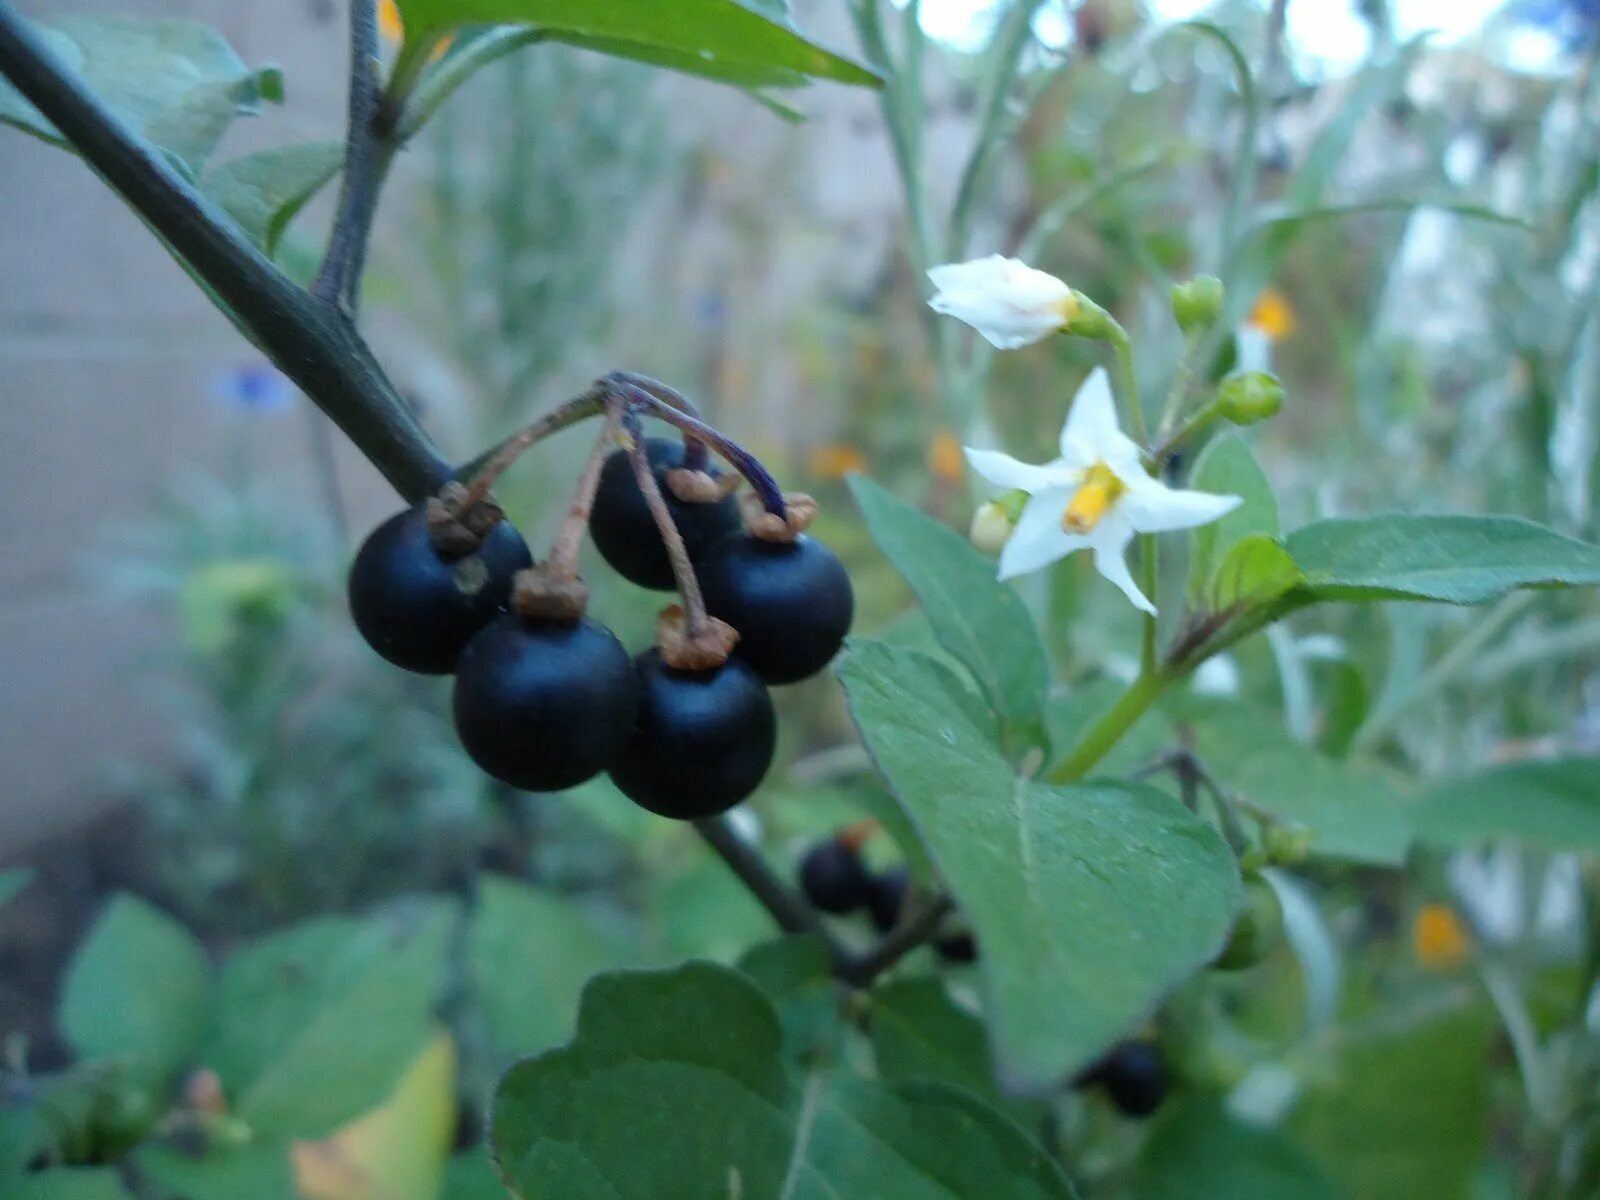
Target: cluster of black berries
[
  {"x": 546, "y": 698},
  {"x": 837, "y": 880},
  {"x": 1133, "y": 1076}
]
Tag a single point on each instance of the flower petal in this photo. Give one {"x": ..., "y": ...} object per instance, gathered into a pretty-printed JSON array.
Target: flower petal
[
  {"x": 1091, "y": 433},
  {"x": 1038, "y": 539},
  {"x": 1110, "y": 544},
  {"x": 1004, "y": 471},
  {"x": 1151, "y": 506},
  {"x": 1008, "y": 302}
]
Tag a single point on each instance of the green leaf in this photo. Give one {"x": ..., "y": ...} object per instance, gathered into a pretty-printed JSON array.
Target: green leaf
[
  {"x": 1257, "y": 570},
  {"x": 319, "y": 1022},
  {"x": 12, "y": 882},
  {"x": 975, "y": 617},
  {"x": 264, "y": 191},
  {"x": 918, "y": 1032},
  {"x": 529, "y": 953},
  {"x": 1091, "y": 901},
  {"x": 176, "y": 83},
  {"x": 740, "y": 43},
  {"x": 796, "y": 973},
  {"x": 1555, "y": 805},
  {"x": 1198, "y": 1152},
  {"x": 1405, "y": 1114},
  {"x": 1454, "y": 559},
  {"x": 470, "y": 1175},
  {"x": 1226, "y": 467},
  {"x": 69, "y": 1183},
  {"x": 678, "y": 1075},
  {"x": 1353, "y": 813},
  {"x": 138, "y": 989},
  {"x": 259, "y": 1171}
]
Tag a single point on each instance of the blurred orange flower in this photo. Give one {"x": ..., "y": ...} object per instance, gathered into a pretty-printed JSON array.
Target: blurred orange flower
[
  {"x": 945, "y": 458},
  {"x": 1438, "y": 938},
  {"x": 390, "y": 26},
  {"x": 835, "y": 460},
  {"x": 1274, "y": 315}
]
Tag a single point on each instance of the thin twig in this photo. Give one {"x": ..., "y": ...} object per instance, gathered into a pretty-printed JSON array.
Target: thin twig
[
  {"x": 901, "y": 941},
  {"x": 792, "y": 914},
  {"x": 366, "y": 161},
  {"x": 563, "y": 560},
  {"x": 694, "y": 604},
  {"x": 486, "y": 472}
]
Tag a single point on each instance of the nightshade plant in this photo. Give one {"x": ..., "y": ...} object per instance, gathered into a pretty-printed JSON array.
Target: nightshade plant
[{"x": 1104, "y": 856}]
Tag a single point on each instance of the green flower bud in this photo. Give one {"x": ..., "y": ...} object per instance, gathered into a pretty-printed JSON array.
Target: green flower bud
[
  {"x": 1198, "y": 303},
  {"x": 1258, "y": 930},
  {"x": 1089, "y": 320},
  {"x": 1250, "y": 398},
  {"x": 1286, "y": 845}
]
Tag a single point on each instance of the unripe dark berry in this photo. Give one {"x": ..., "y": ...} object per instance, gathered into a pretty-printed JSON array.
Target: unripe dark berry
[
  {"x": 834, "y": 878},
  {"x": 1134, "y": 1075},
  {"x": 702, "y": 742},
  {"x": 790, "y": 601},
  {"x": 544, "y": 704},
  {"x": 419, "y": 608},
  {"x": 624, "y": 531},
  {"x": 886, "y": 897}
]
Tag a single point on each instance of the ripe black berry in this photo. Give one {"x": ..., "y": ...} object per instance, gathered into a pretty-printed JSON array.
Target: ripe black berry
[
  {"x": 957, "y": 948},
  {"x": 834, "y": 878},
  {"x": 419, "y": 608},
  {"x": 702, "y": 741},
  {"x": 544, "y": 704},
  {"x": 1134, "y": 1076},
  {"x": 790, "y": 601},
  {"x": 886, "y": 897},
  {"x": 624, "y": 531}
]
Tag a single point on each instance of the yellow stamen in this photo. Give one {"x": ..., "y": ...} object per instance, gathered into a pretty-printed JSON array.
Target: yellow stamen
[
  {"x": 1438, "y": 938},
  {"x": 1099, "y": 490}
]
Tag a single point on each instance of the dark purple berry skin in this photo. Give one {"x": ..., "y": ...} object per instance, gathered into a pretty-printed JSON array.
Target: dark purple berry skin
[
  {"x": 418, "y": 608},
  {"x": 886, "y": 897},
  {"x": 790, "y": 601},
  {"x": 624, "y": 531},
  {"x": 702, "y": 742},
  {"x": 1134, "y": 1075},
  {"x": 834, "y": 878},
  {"x": 957, "y": 948},
  {"x": 544, "y": 705}
]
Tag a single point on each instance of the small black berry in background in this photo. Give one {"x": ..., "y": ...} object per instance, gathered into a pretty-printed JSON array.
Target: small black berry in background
[
  {"x": 702, "y": 742},
  {"x": 886, "y": 897},
  {"x": 957, "y": 948},
  {"x": 544, "y": 704},
  {"x": 790, "y": 601},
  {"x": 419, "y": 608},
  {"x": 834, "y": 878},
  {"x": 626, "y": 534},
  {"x": 1134, "y": 1076}
]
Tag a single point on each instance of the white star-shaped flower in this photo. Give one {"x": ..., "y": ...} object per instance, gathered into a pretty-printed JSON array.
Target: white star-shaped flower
[
  {"x": 1007, "y": 301},
  {"x": 1096, "y": 496}
]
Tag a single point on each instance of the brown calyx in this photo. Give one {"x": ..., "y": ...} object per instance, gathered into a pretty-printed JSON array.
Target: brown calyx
[
  {"x": 855, "y": 835},
  {"x": 456, "y": 524},
  {"x": 700, "y": 487},
  {"x": 703, "y": 649},
  {"x": 800, "y": 508},
  {"x": 541, "y": 593}
]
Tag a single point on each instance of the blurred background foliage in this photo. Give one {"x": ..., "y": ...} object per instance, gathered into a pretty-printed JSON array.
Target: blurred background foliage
[{"x": 1413, "y": 247}]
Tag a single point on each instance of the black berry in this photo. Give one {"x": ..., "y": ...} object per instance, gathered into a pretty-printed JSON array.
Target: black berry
[
  {"x": 624, "y": 531},
  {"x": 886, "y": 897},
  {"x": 702, "y": 741},
  {"x": 419, "y": 608},
  {"x": 834, "y": 878},
  {"x": 790, "y": 601},
  {"x": 957, "y": 948},
  {"x": 544, "y": 704},
  {"x": 1134, "y": 1076}
]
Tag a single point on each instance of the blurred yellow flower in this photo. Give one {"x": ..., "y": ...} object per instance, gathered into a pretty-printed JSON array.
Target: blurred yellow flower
[
  {"x": 945, "y": 457},
  {"x": 835, "y": 460},
  {"x": 1273, "y": 315},
  {"x": 390, "y": 26},
  {"x": 1438, "y": 938}
]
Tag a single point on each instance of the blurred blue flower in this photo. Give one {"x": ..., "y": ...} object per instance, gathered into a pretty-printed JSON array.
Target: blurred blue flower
[
  {"x": 255, "y": 387},
  {"x": 1575, "y": 22}
]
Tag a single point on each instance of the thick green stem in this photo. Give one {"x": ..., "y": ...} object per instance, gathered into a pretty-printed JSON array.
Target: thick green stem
[
  {"x": 1125, "y": 379},
  {"x": 308, "y": 341},
  {"x": 1109, "y": 730}
]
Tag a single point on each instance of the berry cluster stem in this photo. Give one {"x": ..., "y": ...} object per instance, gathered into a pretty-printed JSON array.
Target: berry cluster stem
[
  {"x": 488, "y": 472},
  {"x": 747, "y": 464},
  {"x": 694, "y": 448},
  {"x": 563, "y": 560},
  {"x": 694, "y": 604}
]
